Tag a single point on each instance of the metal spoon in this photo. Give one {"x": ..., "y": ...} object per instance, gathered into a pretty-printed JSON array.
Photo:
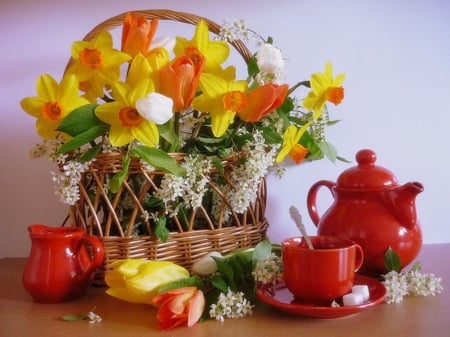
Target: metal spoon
[{"x": 295, "y": 215}]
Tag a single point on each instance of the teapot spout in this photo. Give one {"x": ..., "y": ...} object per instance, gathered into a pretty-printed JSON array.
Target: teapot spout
[{"x": 402, "y": 203}]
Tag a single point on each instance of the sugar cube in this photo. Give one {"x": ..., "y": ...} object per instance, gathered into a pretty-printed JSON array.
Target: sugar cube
[
  {"x": 361, "y": 289},
  {"x": 353, "y": 299}
]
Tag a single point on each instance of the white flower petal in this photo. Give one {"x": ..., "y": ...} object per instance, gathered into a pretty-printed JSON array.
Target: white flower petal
[
  {"x": 206, "y": 264},
  {"x": 155, "y": 107},
  {"x": 269, "y": 59},
  {"x": 165, "y": 42}
]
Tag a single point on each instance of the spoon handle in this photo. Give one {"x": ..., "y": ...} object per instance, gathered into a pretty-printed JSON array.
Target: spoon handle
[{"x": 295, "y": 215}]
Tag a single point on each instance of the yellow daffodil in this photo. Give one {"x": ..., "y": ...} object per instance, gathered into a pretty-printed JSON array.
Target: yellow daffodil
[
  {"x": 138, "y": 280},
  {"x": 221, "y": 99},
  {"x": 53, "y": 102},
  {"x": 127, "y": 124},
  {"x": 215, "y": 52},
  {"x": 324, "y": 88},
  {"x": 145, "y": 67},
  {"x": 291, "y": 146},
  {"x": 96, "y": 63}
]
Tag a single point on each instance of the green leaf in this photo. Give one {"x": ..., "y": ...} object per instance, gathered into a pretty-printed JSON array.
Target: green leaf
[
  {"x": 73, "y": 318},
  {"x": 168, "y": 134},
  {"x": 193, "y": 281},
  {"x": 219, "y": 282},
  {"x": 161, "y": 231},
  {"x": 83, "y": 138},
  {"x": 210, "y": 140},
  {"x": 271, "y": 136},
  {"x": 286, "y": 107},
  {"x": 158, "y": 159},
  {"x": 225, "y": 269},
  {"x": 217, "y": 162},
  {"x": 152, "y": 202},
  {"x": 252, "y": 66},
  {"x": 329, "y": 151},
  {"x": 80, "y": 120},
  {"x": 392, "y": 260},
  {"x": 91, "y": 153},
  {"x": 262, "y": 250},
  {"x": 118, "y": 178}
]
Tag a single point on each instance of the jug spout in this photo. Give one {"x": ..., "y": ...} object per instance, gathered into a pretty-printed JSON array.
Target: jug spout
[{"x": 402, "y": 203}]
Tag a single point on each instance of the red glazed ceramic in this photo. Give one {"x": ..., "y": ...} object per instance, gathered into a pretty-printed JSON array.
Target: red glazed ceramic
[
  {"x": 322, "y": 274},
  {"x": 372, "y": 209},
  {"x": 61, "y": 263}
]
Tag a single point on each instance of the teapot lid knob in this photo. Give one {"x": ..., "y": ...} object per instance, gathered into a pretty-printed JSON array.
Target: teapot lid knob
[
  {"x": 366, "y": 158},
  {"x": 366, "y": 174}
]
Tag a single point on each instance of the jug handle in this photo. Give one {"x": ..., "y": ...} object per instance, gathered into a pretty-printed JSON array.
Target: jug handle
[
  {"x": 95, "y": 246},
  {"x": 312, "y": 199}
]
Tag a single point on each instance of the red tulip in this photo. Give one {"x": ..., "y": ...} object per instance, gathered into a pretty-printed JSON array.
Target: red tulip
[
  {"x": 262, "y": 101},
  {"x": 137, "y": 34},
  {"x": 179, "y": 306}
]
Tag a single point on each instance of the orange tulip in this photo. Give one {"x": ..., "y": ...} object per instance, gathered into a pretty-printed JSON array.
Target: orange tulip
[
  {"x": 179, "y": 80},
  {"x": 137, "y": 34},
  {"x": 179, "y": 306},
  {"x": 262, "y": 101}
]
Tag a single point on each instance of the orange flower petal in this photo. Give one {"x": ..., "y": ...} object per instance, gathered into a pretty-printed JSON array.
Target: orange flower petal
[
  {"x": 262, "y": 101},
  {"x": 196, "y": 307},
  {"x": 335, "y": 95},
  {"x": 298, "y": 153},
  {"x": 137, "y": 34}
]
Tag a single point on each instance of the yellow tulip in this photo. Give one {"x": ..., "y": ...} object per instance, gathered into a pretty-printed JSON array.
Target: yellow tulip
[{"x": 138, "y": 280}]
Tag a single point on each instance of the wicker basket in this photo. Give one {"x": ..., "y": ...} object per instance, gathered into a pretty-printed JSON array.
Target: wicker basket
[{"x": 98, "y": 212}]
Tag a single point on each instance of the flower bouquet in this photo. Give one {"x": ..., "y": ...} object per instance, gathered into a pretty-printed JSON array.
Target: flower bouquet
[{"x": 162, "y": 150}]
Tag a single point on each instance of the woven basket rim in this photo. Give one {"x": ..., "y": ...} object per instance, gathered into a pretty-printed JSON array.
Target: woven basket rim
[{"x": 164, "y": 14}]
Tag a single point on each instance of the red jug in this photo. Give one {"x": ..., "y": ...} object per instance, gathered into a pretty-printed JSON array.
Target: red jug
[
  {"x": 61, "y": 263},
  {"x": 373, "y": 210}
]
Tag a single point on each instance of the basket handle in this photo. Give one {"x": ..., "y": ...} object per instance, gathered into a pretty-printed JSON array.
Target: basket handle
[{"x": 165, "y": 14}]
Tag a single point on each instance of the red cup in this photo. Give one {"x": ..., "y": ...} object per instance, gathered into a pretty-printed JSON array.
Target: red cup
[{"x": 322, "y": 274}]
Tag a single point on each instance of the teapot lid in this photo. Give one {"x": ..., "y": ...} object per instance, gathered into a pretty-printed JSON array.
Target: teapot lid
[{"x": 366, "y": 174}]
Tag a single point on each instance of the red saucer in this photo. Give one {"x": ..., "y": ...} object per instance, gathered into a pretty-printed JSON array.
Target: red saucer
[{"x": 281, "y": 298}]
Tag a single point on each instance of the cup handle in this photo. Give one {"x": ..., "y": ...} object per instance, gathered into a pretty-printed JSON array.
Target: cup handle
[
  {"x": 94, "y": 259},
  {"x": 359, "y": 257}
]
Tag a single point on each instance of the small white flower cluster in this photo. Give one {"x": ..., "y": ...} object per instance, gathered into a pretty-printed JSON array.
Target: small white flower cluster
[
  {"x": 231, "y": 305},
  {"x": 188, "y": 124},
  {"x": 188, "y": 190},
  {"x": 269, "y": 58},
  {"x": 413, "y": 282},
  {"x": 269, "y": 270},
  {"x": 92, "y": 317},
  {"x": 47, "y": 148},
  {"x": 68, "y": 179},
  {"x": 235, "y": 30},
  {"x": 246, "y": 177}
]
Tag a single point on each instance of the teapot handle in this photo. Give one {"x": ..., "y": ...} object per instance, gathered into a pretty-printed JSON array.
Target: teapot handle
[
  {"x": 312, "y": 199},
  {"x": 90, "y": 254}
]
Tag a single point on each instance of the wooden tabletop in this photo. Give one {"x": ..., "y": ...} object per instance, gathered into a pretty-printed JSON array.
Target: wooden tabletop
[{"x": 415, "y": 316}]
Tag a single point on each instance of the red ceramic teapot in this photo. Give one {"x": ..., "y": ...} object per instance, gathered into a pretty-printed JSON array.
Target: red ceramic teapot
[
  {"x": 373, "y": 210},
  {"x": 61, "y": 263}
]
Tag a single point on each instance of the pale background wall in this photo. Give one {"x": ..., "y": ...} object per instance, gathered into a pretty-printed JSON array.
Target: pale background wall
[{"x": 396, "y": 55}]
